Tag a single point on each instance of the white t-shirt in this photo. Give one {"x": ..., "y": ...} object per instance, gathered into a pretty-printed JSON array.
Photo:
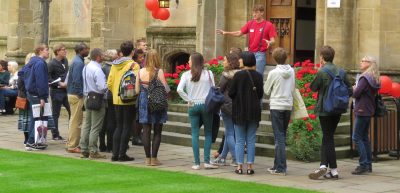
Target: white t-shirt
[{"x": 196, "y": 92}]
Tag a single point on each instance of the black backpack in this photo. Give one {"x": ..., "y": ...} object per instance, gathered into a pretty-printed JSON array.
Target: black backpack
[{"x": 157, "y": 95}]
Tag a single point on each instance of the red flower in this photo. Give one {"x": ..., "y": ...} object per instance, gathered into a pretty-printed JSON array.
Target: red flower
[
  {"x": 315, "y": 96},
  {"x": 167, "y": 75},
  {"x": 175, "y": 75},
  {"x": 220, "y": 58},
  {"x": 313, "y": 116},
  {"x": 312, "y": 107},
  {"x": 317, "y": 65},
  {"x": 302, "y": 90},
  {"x": 307, "y": 85},
  {"x": 306, "y": 94},
  {"x": 297, "y": 64},
  {"x": 308, "y": 90},
  {"x": 309, "y": 126},
  {"x": 305, "y": 118},
  {"x": 187, "y": 67},
  {"x": 299, "y": 76},
  {"x": 177, "y": 81}
]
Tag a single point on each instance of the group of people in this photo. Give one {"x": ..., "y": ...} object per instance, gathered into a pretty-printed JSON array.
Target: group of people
[{"x": 241, "y": 83}]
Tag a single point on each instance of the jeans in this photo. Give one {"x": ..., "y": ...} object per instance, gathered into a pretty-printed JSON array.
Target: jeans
[
  {"x": 58, "y": 98},
  {"x": 328, "y": 153},
  {"x": 108, "y": 126},
  {"x": 261, "y": 60},
  {"x": 6, "y": 93},
  {"x": 361, "y": 139},
  {"x": 91, "y": 128},
  {"x": 229, "y": 142},
  {"x": 33, "y": 100},
  {"x": 124, "y": 117},
  {"x": 245, "y": 134},
  {"x": 197, "y": 116},
  {"x": 280, "y": 121}
]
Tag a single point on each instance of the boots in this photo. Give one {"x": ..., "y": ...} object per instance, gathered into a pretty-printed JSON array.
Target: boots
[
  {"x": 148, "y": 161},
  {"x": 155, "y": 162}
]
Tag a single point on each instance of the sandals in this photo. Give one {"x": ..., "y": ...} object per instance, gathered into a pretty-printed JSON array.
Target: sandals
[{"x": 239, "y": 171}]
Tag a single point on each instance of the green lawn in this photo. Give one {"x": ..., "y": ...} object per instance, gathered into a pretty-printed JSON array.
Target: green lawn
[{"x": 32, "y": 172}]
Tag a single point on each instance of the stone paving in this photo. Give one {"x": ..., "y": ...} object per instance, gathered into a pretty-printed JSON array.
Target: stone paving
[{"x": 385, "y": 176}]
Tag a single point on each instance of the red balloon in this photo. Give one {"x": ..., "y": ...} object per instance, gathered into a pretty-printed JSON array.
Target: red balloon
[
  {"x": 154, "y": 14},
  {"x": 395, "y": 90},
  {"x": 386, "y": 85},
  {"x": 152, "y": 5},
  {"x": 163, "y": 14}
]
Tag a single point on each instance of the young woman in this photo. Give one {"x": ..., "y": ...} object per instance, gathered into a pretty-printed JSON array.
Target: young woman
[
  {"x": 364, "y": 108},
  {"x": 148, "y": 73},
  {"x": 246, "y": 92},
  {"x": 231, "y": 66},
  {"x": 193, "y": 88}
]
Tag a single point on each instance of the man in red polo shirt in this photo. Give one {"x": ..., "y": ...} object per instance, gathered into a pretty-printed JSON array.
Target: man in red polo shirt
[{"x": 261, "y": 36}]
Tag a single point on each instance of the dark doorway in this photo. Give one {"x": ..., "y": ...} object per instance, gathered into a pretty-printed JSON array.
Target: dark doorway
[
  {"x": 177, "y": 59},
  {"x": 305, "y": 30}
]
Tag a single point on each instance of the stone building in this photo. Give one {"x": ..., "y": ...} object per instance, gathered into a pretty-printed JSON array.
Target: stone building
[{"x": 355, "y": 29}]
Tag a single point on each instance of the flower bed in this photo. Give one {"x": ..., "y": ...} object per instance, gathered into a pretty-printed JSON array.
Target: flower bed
[{"x": 304, "y": 135}]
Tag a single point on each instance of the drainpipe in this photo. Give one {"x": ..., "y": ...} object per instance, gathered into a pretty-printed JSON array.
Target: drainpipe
[{"x": 45, "y": 4}]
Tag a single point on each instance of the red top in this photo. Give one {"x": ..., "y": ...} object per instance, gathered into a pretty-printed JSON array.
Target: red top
[{"x": 255, "y": 30}]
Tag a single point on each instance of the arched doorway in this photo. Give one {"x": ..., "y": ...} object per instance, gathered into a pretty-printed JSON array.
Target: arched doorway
[{"x": 175, "y": 58}]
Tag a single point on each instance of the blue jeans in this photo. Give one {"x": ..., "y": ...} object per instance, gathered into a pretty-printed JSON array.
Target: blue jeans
[
  {"x": 245, "y": 134},
  {"x": 229, "y": 142},
  {"x": 6, "y": 93},
  {"x": 280, "y": 121},
  {"x": 261, "y": 60},
  {"x": 361, "y": 139},
  {"x": 33, "y": 100},
  {"x": 199, "y": 116}
]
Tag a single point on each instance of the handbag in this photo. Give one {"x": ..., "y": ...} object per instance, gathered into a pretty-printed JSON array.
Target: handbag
[
  {"x": 215, "y": 98},
  {"x": 21, "y": 103},
  {"x": 299, "y": 108},
  {"x": 380, "y": 108},
  {"x": 94, "y": 101}
]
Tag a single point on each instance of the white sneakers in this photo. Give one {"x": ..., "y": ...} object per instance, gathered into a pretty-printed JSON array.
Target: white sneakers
[{"x": 206, "y": 166}]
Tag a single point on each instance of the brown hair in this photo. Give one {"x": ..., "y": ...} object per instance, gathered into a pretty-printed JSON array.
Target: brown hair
[
  {"x": 153, "y": 62},
  {"x": 4, "y": 64},
  {"x": 40, "y": 48},
  {"x": 259, "y": 7},
  {"x": 138, "y": 41},
  {"x": 57, "y": 48},
  {"x": 233, "y": 61},
  {"x": 197, "y": 66},
  {"x": 236, "y": 50},
  {"x": 279, "y": 54},
  {"x": 327, "y": 53}
]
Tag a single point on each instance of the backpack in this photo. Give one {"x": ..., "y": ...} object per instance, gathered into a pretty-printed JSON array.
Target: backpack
[
  {"x": 337, "y": 98},
  {"x": 157, "y": 95},
  {"x": 126, "y": 90}
]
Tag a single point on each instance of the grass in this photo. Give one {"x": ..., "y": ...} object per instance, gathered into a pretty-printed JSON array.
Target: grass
[{"x": 31, "y": 172}]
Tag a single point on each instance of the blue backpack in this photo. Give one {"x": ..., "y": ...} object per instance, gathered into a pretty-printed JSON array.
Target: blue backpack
[{"x": 337, "y": 98}]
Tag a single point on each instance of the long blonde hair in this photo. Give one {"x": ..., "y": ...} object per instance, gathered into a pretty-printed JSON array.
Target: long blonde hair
[
  {"x": 153, "y": 62},
  {"x": 373, "y": 69}
]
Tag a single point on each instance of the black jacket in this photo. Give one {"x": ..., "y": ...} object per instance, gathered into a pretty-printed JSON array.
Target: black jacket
[
  {"x": 57, "y": 69},
  {"x": 246, "y": 101}
]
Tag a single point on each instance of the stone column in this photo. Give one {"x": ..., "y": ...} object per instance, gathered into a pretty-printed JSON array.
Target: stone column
[
  {"x": 97, "y": 22},
  {"x": 45, "y": 20}
]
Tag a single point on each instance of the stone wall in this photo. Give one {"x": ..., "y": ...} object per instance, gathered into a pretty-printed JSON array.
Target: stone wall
[{"x": 3, "y": 27}]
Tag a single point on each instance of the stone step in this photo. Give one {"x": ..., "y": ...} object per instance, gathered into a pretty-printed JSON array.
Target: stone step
[
  {"x": 265, "y": 126},
  {"x": 261, "y": 137},
  {"x": 261, "y": 149},
  {"x": 265, "y": 114}
]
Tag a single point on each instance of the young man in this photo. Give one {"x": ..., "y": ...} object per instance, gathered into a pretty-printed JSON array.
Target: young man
[
  {"x": 37, "y": 88},
  {"x": 280, "y": 86},
  {"x": 75, "y": 97},
  {"x": 94, "y": 80},
  {"x": 125, "y": 112},
  {"x": 141, "y": 44},
  {"x": 58, "y": 68},
  {"x": 261, "y": 36},
  {"x": 328, "y": 121}
]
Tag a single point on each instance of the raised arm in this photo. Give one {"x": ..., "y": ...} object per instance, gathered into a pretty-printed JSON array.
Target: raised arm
[{"x": 233, "y": 33}]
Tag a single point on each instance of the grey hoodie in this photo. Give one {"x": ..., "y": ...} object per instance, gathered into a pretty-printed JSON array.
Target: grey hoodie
[{"x": 280, "y": 86}]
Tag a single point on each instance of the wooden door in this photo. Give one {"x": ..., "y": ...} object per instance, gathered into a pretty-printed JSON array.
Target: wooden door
[{"x": 282, "y": 14}]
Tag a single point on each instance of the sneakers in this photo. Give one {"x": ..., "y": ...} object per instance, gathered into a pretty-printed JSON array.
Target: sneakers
[
  {"x": 271, "y": 169},
  {"x": 233, "y": 163},
  {"x": 276, "y": 172},
  {"x": 360, "y": 170},
  {"x": 84, "y": 155},
  {"x": 210, "y": 166},
  {"x": 317, "y": 173},
  {"x": 196, "y": 167},
  {"x": 35, "y": 146},
  {"x": 219, "y": 162},
  {"x": 96, "y": 155},
  {"x": 2, "y": 110},
  {"x": 329, "y": 175}
]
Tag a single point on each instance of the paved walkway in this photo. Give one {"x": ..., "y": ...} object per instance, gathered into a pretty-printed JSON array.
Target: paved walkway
[{"x": 385, "y": 178}]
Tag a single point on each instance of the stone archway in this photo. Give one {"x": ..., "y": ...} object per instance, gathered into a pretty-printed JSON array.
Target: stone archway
[{"x": 175, "y": 58}]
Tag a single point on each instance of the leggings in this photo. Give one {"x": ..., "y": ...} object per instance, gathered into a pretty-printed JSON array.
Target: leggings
[{"x": 155, "y": 145}]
